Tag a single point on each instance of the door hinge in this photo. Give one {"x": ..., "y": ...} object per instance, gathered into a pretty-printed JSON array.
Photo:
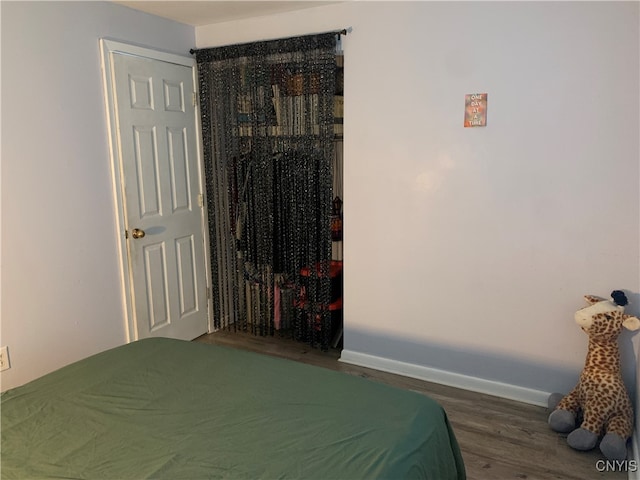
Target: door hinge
[
  {"x": 193, "y": 99},
  {"x": 200, "y": 200}
]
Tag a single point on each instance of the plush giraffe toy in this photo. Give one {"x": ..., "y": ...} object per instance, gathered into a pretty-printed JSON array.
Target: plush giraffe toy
[{"x": 600, "y": 398}]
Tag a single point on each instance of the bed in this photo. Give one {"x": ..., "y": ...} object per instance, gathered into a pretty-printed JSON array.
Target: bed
[{"x": 162, "y": 408}]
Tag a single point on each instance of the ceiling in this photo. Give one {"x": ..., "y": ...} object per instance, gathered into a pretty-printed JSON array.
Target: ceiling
[{"x": 207, "y": 12}]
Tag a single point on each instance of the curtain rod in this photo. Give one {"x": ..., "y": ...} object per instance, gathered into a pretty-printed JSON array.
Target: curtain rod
[{"x": 344, "y": 31}]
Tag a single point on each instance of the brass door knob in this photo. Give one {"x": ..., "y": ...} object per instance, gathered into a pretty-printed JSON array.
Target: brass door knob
[{"x": 137, "y": 233}]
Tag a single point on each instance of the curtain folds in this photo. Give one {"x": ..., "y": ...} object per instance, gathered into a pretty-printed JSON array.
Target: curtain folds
[{"x": 267, "y": 112}]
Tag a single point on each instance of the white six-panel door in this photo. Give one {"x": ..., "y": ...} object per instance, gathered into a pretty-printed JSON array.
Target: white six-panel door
[{"x": 156, "y": 142}]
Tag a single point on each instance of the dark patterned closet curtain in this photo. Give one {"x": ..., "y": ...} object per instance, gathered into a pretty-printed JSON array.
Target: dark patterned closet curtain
[{"x": 268, "y": 135}]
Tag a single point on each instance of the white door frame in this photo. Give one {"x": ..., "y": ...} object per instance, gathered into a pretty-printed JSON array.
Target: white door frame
[{"x": 107, "y": 48}]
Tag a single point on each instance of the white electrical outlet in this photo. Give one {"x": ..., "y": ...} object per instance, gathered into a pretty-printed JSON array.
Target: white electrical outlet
[{"x": 4, "y": 358}]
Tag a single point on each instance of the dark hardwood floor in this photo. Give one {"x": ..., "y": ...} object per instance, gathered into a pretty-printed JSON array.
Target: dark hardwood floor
[{"x": 499, "y": 438}]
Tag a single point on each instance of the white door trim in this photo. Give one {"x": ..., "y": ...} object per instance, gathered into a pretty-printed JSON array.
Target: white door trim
[{"x": 107, "y": 48}]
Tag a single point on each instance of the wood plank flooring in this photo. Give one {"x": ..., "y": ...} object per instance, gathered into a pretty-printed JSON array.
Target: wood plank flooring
[{"x": 499, "y": 438}]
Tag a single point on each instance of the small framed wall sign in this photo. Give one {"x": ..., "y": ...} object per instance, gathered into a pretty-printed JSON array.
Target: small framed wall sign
[{"x": 475, "y": 110}]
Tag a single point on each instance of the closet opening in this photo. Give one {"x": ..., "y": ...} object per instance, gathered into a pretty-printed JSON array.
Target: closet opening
[{"x": 272, "y": 127}]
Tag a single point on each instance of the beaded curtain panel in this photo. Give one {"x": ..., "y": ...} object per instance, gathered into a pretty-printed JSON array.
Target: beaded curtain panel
[{"x": 268, "y": 137}]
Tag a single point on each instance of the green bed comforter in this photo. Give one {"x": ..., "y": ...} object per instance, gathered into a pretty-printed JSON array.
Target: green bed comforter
[{"x": 162, "y": 408}]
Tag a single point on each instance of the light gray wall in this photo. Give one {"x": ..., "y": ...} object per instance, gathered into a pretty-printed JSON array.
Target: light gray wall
[
  {"x": 469, "y": 250},
  {"x": 61, "y": 292},
  {"x": 475, "y": 243}
]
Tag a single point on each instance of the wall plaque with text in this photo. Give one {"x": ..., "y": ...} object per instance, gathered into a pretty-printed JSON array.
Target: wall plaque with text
[{"x": 475, "y": 110}]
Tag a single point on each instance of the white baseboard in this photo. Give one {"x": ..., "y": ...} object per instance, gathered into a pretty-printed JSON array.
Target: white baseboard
[{"x": 465, "y": 382}]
